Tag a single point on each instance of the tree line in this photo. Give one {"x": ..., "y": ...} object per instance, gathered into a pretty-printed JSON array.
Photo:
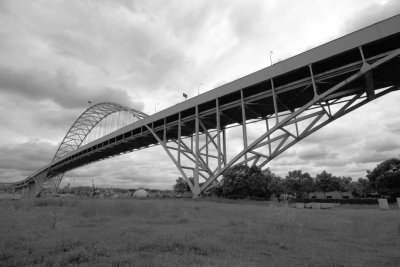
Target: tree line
[{"x": 242, "y": 181}]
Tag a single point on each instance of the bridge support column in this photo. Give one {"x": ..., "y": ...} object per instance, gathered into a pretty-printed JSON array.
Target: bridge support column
[
  {"x": 29, "y": 191},
  {"x": 196, "y": 188},
  {"x": 39, "y": 180},
  {"x": 25, "y": 192},
  {"x": 202, "y": 154},
  {"x": 33, "y": 189}
]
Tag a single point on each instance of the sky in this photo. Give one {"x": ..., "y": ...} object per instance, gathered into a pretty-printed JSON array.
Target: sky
[{"x": 55, "y": 56}]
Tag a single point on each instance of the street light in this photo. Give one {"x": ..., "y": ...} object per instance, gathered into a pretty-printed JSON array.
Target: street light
[
  {"x": 198, "y": 88},
  {"x": 270, "y": 57}
]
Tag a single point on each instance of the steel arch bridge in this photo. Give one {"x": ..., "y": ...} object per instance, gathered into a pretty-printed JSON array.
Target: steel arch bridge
[
  {"x": 77, "y": 136},
  {"x": 292, "y": 99}
]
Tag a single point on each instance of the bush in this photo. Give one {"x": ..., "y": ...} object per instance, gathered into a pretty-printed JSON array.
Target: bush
[
  {"x": 76, "y": 256},
  {"x": 362, "y": 201}
]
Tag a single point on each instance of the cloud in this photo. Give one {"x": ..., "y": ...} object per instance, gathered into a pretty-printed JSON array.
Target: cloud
[
  {"x": 371, "y": 14},
  {"x": 374, "y": 157},
  {"x": 60, "y": 87},
  {"x": 316, "y": 152},
  {"x": 393, "y": 127},
  {"x": 388, "y": 144},
  {"x": 24, "y": 158}
]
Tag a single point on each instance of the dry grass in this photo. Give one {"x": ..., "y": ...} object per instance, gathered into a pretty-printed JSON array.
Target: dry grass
[{"x": 89, "y": 232}]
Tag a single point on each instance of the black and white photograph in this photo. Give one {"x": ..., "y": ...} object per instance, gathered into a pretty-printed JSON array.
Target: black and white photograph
[{"x": 199, "y": 133}]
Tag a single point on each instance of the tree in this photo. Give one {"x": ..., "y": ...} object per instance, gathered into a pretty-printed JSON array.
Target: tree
[
  {"x": 360, "y": 188},
  {"x": 364, "y": 185},
  {"x": 327, "y": 182},
  {"x": 275, "y": 186},
  {"x": 344, "y": 183},
  {"x": 384, "y": 167},
  {"x": 234, "y": 182},
  {"x": 181, "y": 186},
  {"x": 298, "y": 183},
  {"x": 241, "y": 181},
  {"x": 258, "y": 183},
  {"x": 385, "y": 177},
  {"x": 389, "y": 183}
]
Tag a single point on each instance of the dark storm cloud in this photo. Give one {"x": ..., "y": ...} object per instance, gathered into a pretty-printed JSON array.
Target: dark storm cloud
[{"x": 60, "y": 87}]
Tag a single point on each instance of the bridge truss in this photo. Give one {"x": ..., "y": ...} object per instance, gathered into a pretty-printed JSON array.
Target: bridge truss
[{"x": 331, "y": 94}]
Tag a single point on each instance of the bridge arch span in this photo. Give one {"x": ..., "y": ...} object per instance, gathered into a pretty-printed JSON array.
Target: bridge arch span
[
  {"x": 88, "y": 120},
  {"x": 80, "y": 130}
]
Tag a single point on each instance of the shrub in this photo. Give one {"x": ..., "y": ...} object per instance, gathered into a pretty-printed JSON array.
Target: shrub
[
  {"x": 363, "y": 201},
  {"x": 75, "y": 256}
]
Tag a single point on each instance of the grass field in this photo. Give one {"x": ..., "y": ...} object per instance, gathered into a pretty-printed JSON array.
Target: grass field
[{"x": 177, "y": 232}]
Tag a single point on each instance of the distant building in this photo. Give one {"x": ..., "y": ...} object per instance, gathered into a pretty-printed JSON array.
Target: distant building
[{"x": 330, "y": 195}]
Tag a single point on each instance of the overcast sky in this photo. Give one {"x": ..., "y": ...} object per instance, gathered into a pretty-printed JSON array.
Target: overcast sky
[{"x": 57, "y": 55}]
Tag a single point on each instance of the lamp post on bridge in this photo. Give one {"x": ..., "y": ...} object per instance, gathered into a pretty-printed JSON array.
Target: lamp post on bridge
[
  {"x": 270, "y": 57},
  {"x": 155, "y": 108},
  {"x": 198, "y": 88}
]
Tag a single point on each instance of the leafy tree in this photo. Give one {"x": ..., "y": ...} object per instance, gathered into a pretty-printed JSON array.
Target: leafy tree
[
  {"x": 258, "y": 183},
  {"x": 365, "y": 185},
  {"x": 275, "y": 186},
  {"x": 360, "y": 188},
  {"x": 327, "y": 182},
  {"x": 234, "y": 182},
  {"x": 298, "y": 183},
  {"x": 385, "y": 177},
  {"x": 389, "y": 183},
  {"x": 181, "y": 185},
  {"x": 384, "y": 167},
  {"x": 240, "y": 181},
  {"x": 344, "y": 183}
]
